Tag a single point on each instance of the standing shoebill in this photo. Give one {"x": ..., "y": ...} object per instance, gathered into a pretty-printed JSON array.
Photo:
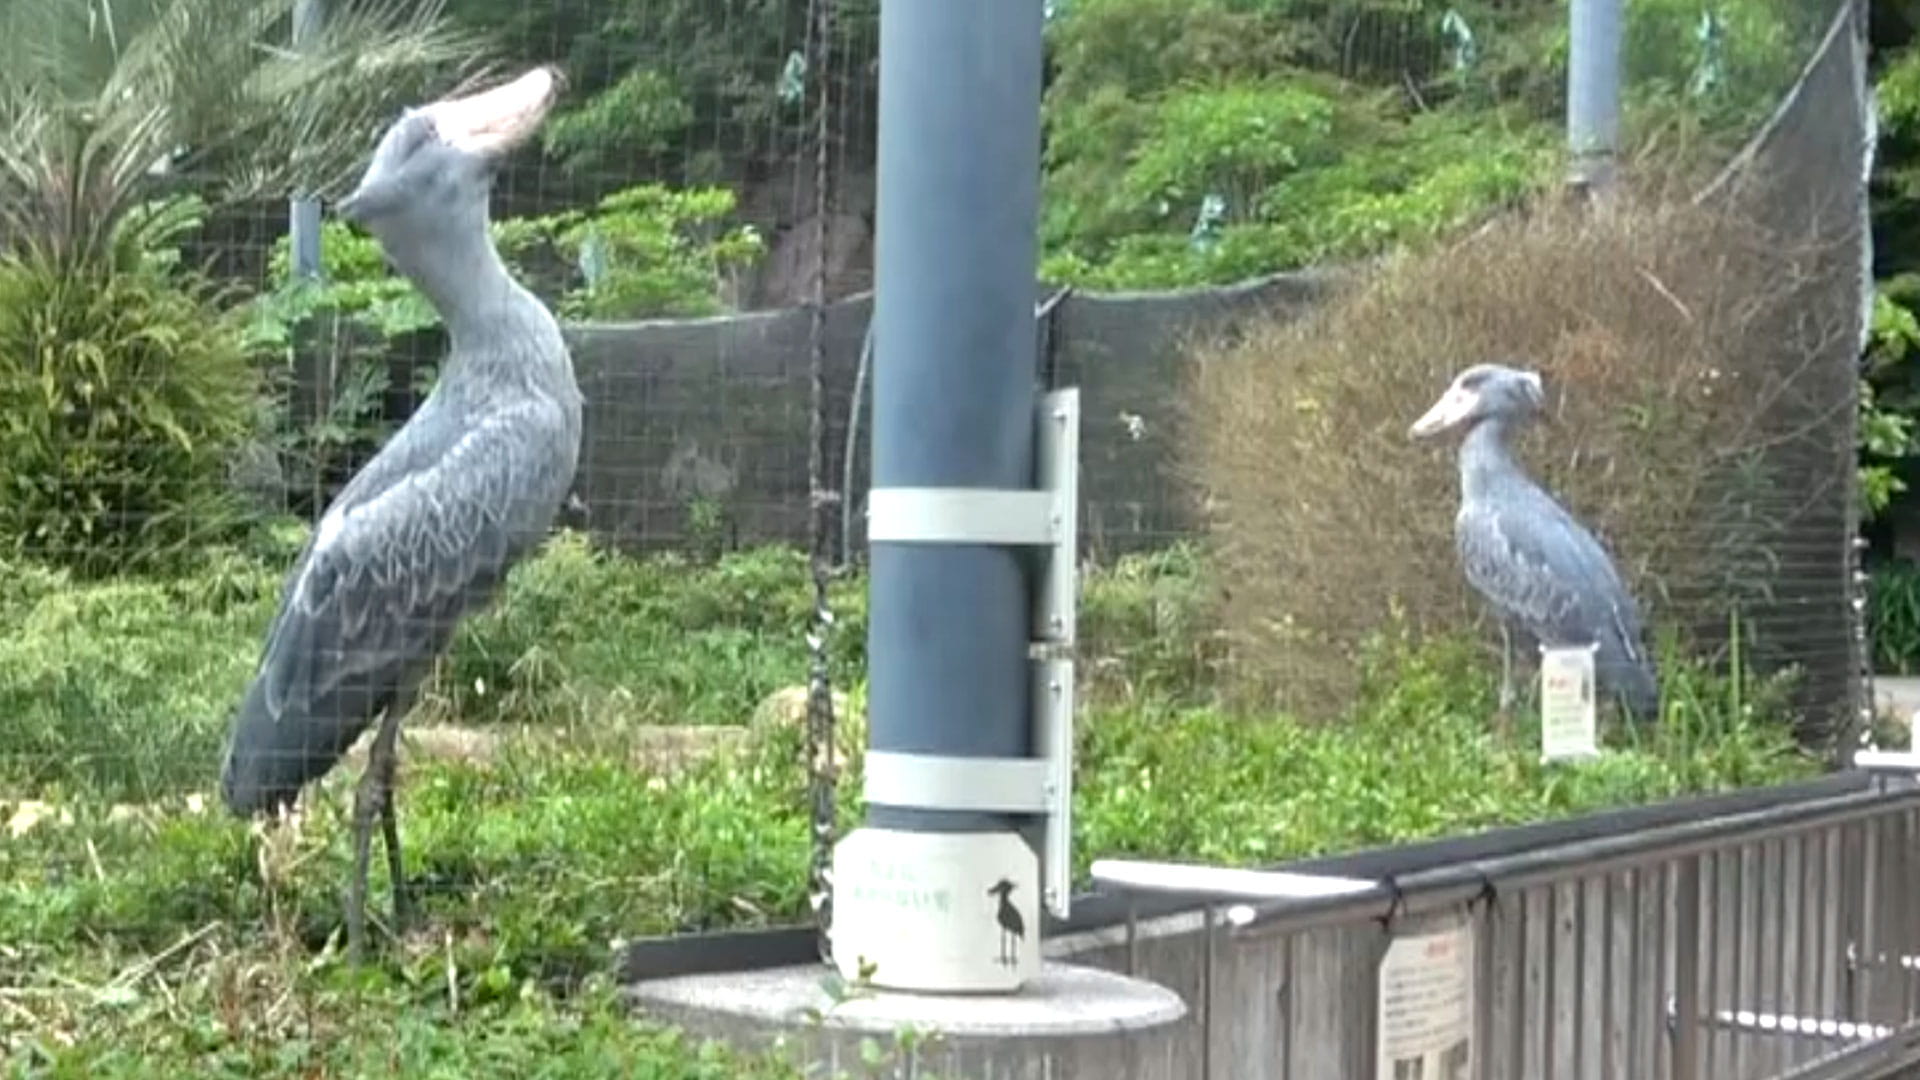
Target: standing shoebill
[
  {"x": 1541, "y": 570},
  {"x": 425, "y": 532}
]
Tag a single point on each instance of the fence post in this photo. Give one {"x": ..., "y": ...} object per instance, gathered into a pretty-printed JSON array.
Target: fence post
[
  {"x": 1593, "y": 89},
  {"x": 304, "y": 211},
  {"x": 1686, "y": 970}
]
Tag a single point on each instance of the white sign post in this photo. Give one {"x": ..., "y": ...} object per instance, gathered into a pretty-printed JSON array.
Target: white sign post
[
  {"x": 1426, "y": 1006},
  {"x": 1569, "y": 722}
]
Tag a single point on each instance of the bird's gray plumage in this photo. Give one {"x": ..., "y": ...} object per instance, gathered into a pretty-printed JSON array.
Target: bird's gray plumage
[
  {"x": 426, "y": 531},
  {"x": 1543, "y": 572}
]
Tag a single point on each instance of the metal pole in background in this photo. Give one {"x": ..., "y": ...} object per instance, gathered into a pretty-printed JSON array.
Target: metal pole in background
[
  {"x": 304, "y": 212},
  {"x": 1593, "y": 90},
  {"x": 939, "y": 892}
]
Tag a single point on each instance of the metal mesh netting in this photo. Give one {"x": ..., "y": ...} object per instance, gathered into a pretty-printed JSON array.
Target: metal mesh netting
[{"x": 1225, "y": 181}]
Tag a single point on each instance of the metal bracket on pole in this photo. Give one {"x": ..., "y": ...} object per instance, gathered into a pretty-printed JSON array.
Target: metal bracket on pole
[{"x": 1045, "y": 517}]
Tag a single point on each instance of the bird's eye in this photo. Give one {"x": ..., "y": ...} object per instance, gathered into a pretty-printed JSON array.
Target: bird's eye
[{"x": 412, "y": 132}]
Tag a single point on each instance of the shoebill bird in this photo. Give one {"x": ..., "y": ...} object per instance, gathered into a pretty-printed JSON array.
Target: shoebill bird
[
  {"x": 1544, "y": 573},
  {"x": 423, "y": 534}
]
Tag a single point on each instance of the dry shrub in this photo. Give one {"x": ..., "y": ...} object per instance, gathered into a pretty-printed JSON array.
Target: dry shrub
[{"x": 1680, "y": 348}]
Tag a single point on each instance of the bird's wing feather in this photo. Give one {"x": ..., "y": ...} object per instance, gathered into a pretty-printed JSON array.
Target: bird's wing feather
[
  {"x": 1505, "y": 562},
  {"x": 398, "y": 559},
  {"x": 1546, "y": 571}
]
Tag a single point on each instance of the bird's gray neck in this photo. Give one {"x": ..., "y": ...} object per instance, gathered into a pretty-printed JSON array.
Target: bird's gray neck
[
  {"x": 458, "y": 271},
  {"x": 490, "y": 318},
  {"x": 1486, "y": 463}
]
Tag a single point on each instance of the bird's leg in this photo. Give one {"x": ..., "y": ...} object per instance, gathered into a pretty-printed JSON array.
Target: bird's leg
[
  {"x": 1506, "y": 668},
  {"x": 364, "y": 808},
  {"x": 390, "y": 830},
  {"x": 1503, "y": 711},
  {"x": 373, "y": 797}
]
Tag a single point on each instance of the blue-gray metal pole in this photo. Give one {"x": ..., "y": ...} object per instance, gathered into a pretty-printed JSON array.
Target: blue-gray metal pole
[
  {"x": 954, "y": 376},
  {"x": 1593, "y": 89},
  {"x": 304, "y": 212}
]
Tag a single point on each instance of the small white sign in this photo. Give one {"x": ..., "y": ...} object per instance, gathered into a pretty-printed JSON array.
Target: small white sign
[
  {"x": 1568, "y": 711},
  {"x": 1426, "y": 1006},
  {"x": 937, "y": 912}
]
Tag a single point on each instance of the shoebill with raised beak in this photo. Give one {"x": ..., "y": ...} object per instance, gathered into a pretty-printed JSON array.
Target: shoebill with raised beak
[{"x": 424, "y": 533}]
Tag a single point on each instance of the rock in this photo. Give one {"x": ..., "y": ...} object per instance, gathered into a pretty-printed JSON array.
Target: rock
[
  {"x": 787, "y": 707},
  {"x": 28, "y": 814},
  {"x": 445, "y": 742},
  {"x": 669, "y": 747}
]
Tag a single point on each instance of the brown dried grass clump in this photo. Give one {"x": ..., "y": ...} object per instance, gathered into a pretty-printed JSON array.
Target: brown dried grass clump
[{"x": 1674, "y": 341}]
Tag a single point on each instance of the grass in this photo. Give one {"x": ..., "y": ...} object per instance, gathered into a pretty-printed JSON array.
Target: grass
[{"x": 144, "y": 933}]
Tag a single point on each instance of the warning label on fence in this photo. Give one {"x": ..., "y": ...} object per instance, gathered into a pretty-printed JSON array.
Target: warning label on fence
[{"x": 1426, "y": 1006}]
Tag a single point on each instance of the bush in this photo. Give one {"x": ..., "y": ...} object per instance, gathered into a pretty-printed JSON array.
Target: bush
[
  {"x": 1672, "y": 339},
  {"x": 1893, "y": 615},
  {"x": 1254, "y": 138},
  {"x": 1398, "y": 185},
  {"x": 124, "y": 688},
  {"x": 643, "y": 252},
  {"x": 124, "y": 392}
]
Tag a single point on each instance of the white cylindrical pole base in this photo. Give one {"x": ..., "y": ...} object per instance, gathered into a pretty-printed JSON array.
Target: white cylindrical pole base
[{"x": 936, "y": 912}]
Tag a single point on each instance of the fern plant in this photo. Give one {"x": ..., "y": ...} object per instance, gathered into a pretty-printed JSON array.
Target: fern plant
[{"x": 105, "y": 104}]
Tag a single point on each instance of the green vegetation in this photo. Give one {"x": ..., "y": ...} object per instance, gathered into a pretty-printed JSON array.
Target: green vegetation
[
  {"x": 1255, "y": 137},
  {"x": 597, "y": 757},
  {"x": 124, "y": 388},
  {"x": 1889, "y": 396},
  {"x": 642, "y": 252},
  {"x": 1890, "y": 399},
  {"x": 141, "y": 925},
  {"x": 104, "y": 111},
  {"x": 1893, "y": 611}
]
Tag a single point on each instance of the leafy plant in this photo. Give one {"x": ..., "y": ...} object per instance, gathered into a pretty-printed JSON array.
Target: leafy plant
[
  {"x": 690, "y": 86},
  {"x": 1405, "y": 185},
  {"x": 1889, "y": 398},
  {"x": 334, "y": 347},
  {"x": 1893, "y": 616},
  {"x": 642, "y": 252},
  {"x": 124, "y": 389},
  {"x": 1205, "y": 159}
]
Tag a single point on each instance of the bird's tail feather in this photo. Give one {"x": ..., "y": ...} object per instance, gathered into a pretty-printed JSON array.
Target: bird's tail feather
[{"x": 275, "y": 751}]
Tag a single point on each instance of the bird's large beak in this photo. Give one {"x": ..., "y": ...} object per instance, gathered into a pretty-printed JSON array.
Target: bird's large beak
[
  {"x": 494, "y": 122},
  {"x": 1453, "y": 407}
]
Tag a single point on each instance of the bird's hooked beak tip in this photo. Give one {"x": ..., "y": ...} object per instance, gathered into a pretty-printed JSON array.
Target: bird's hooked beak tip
[
  {"x": 1445, "y": 413},
  {"x": 495, "y": 121}
]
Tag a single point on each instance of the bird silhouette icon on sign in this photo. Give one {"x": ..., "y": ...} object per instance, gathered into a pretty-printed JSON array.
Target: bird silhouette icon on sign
[{"x": 1013, "y": 929}]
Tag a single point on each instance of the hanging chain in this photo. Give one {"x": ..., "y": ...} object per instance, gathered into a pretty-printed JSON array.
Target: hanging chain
[{"x": 822, "y": 769}]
